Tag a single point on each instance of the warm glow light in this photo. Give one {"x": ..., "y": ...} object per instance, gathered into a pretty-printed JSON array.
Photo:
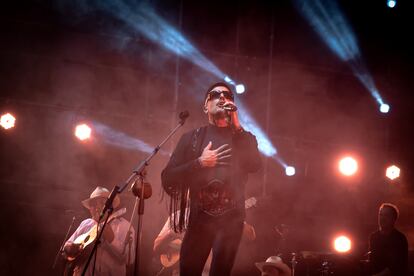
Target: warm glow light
[
  {"x": 83, "y": 132},
  {"x": 7, "y": 121},
  {"x": 392, "y": 172},
  {"x": 342, "y": 244},
  {"x": 348, "y": 166}
]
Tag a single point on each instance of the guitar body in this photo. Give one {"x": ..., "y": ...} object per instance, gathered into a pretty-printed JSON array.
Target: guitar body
[
  {"x": 78, "y": 261},
  {"x": 171, "y": 258}
]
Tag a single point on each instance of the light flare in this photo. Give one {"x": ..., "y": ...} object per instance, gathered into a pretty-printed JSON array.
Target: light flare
[
  {"x": 83, "y": 132},
  {"x": 7, "y": 121},
  {"x": 342, "y": 244},
  {"x": 392, "y": 172},
  {"x": 348, "y": 166}
]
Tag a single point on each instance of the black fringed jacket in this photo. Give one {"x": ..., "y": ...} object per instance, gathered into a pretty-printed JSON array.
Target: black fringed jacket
[{"x": 183, "y": 173}]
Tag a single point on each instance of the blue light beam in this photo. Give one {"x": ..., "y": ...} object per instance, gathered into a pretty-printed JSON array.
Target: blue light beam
[
  {"x": 330, "y": 24},
  {"x": 264, "y": 144},
  {"x": 143, "y": 19},
  {"x": 120, "y": 139}
]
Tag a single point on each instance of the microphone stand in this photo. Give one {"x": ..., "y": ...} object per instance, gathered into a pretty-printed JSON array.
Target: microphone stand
[
  {"x": 138, "y": 174},
  {"x": 63, "y": 244},
  {"x": 96, "y": 243}
]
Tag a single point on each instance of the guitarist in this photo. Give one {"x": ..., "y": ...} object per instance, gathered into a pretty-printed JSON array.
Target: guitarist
[{"x": 116, "y": 249}]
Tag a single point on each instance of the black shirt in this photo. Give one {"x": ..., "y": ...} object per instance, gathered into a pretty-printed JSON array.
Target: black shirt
[
  {"x": 182, "y": 167},
  {"x": 389, "y": 251}
]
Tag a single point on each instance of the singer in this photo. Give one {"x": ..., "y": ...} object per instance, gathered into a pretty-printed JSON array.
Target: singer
[{"x": 207, "y": 173}]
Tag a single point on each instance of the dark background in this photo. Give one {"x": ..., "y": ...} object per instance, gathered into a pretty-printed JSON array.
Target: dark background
[{"x": 62, "y": 62}]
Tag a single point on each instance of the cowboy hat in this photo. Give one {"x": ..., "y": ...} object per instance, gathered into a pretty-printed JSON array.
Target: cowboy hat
[
  {"x": 276, "y": 262},
  {"x": 100, "y": 192}
]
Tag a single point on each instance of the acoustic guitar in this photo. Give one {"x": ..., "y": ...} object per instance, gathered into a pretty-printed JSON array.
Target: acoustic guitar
[{"x": 85, "y": 244}]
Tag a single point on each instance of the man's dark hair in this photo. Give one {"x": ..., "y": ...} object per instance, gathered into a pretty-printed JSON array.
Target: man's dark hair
[
  {"x": 393, "y": 208},
  {"x": 216, "y": 85}
]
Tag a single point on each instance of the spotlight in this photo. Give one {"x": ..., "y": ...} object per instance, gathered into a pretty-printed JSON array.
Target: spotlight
[
  {"x": 264, "y": 144},
  {"x": 392, "y": 172},
  {"x": 348, "y": 166},
  {"x": 384, "y": 108},
  {"x": 240, "y": 89},
  {"x": 228, "y": 80},
  {"x": 391, "y": 3},
  {"x": 342, "y": 244},
  {"x": 7, "y": 121},
  {"x": 328, "y": 20},
  {"x": 290, "y": 171},
  {"x": 83, "y": 132}
]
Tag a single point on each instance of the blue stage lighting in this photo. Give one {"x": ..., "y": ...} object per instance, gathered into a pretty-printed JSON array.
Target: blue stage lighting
[
  {"x": 122, "y": 140},
  {"x": 328, "y": 21},
  {"x": 391, "y": 3},
  {"x": 264, "y": 144},
  {"x": 290, "y": 171},
  {"x": 384, "y": 108},
  {"x": 240, "y": 89},
  {"x": 142, "y": 18},
  {"x": 331, "y": 25},
  {"x": 228, "y": 80}
]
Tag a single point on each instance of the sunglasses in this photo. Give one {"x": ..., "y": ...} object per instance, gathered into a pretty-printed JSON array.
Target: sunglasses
[{"x": 215, "y": 94}]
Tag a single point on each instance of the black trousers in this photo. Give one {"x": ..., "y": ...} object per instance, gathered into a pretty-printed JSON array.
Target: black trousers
[{"x": 221, "y": 235}]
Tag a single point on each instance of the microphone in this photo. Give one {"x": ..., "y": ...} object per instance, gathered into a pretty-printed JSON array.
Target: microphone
[
  {"x": 230, "y": 107},
  {"x": 183, "y": 116}
]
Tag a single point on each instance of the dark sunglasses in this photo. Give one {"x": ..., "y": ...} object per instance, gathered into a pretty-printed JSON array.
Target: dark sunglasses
[{"x": 215, "y": 94}]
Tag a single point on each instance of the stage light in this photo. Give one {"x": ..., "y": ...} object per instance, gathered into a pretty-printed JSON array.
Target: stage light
[
  {"x": 348, "y": 166},
  {"x": 330, "y": 23},
  {"x": 391, "y": 3},
  {"x": 290, "y": 171},
  {"x": 142, "y": 18},
  {"x": 228, "y": 80},
  {"x": 83, "y": 132},
  {"x": 392, "y": 172},
  {"x": 240, "y": 89},
  {"x": 342, "y": 244},
  {"x": 264, "y": 144},
  {"x": 7, "y": 121},
  {"x": 384, "y": 108},
  {"x": 120, "y": 139}
]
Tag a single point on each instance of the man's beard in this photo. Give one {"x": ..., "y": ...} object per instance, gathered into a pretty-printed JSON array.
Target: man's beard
[{"x": 222, "y": 115}]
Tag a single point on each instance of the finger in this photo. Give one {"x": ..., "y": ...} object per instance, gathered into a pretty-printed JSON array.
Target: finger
[
  {"x": 208, "y": 145},
  {"x": 223, "y": 163},
  {"x": 224, "y": 157},
  {"x": 227, "y": 151},
  {"x": 222, "y": 147}
]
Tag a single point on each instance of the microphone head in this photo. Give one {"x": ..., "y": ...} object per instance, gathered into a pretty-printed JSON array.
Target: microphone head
[
  {"x": 184, "y": 115},
  {"x": 231, "y": 108}
]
